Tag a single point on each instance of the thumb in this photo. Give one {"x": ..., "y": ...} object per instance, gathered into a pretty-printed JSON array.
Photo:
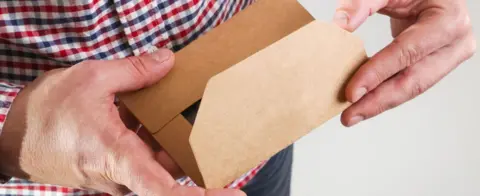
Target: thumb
[
  {"x": 136, "y": 72},
  {"x": 350, "y": 14}
]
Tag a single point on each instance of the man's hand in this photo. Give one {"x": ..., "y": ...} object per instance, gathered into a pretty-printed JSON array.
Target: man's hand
[
  {"x": 65, "y": 129},
  {"x": 432, "y": 37}
]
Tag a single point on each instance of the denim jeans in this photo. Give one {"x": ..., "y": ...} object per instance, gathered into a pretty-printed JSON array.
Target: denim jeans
[{"x": 274, "y": 178}]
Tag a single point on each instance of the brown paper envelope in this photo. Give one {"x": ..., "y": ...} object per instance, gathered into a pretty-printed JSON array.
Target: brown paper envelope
[
  {"x": 158, "y": 107},
  {"x": 259, "y": 25},
  {"x": 265, "y": 22},
  {"x": 266, "y": 102}
]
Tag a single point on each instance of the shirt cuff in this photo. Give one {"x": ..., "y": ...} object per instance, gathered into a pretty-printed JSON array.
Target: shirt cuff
[{"x": 8, "y": 92}]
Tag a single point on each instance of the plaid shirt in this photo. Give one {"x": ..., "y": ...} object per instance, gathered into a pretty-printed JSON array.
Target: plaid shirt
[{"x": 40, "y": 35}]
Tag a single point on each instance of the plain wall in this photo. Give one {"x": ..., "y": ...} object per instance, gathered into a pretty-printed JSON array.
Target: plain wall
[{"x": 429, "y": 146}]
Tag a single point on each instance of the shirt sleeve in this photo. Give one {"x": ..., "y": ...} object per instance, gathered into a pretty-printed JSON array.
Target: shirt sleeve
[{"x": 8, "y": 92}]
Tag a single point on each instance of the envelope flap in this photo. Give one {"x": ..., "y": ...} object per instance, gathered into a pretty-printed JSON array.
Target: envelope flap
[{"x": 261, "y": 105}]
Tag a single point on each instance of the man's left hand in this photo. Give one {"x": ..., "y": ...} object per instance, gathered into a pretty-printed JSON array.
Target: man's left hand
[{"x": 431, "y": 38}]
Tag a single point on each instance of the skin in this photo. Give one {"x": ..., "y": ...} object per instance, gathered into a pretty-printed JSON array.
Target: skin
[
  {"x": 65, "y": 129},
  {"x": 431, "y": 38}
]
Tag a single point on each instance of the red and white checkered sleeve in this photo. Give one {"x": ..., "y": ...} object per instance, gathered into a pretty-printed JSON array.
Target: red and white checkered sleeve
[{"x": 8, "y": 92}]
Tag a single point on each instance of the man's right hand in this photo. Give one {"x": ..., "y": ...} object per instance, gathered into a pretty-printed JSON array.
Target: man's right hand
[{"x": 65, "y": 129}]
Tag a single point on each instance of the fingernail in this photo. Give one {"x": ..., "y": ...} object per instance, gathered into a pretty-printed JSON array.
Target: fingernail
[
  {"x": 355, "y": 120},
  {"x": 359, "y": 93},
  {"x": 161, "y": 55},
  {"x": 341, "y": 17}
]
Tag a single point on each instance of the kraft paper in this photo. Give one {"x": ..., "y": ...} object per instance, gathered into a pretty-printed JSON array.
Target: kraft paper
[{"x": 266, "y": 77}]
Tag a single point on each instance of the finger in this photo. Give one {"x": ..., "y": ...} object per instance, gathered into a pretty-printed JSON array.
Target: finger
[
  {"x": 410, "y": 83},
  {"x": 169, "y": 164},
  {"x": 350, "y": 14},
  {"x": 134, "y": 72},
  {"x": 408, "y": 47},
  {"x": 225, "y": 192},
  {"x": 195, "y": 191},
  {"x": 133, "y": 165},
  {"x": 161, "y": 156},
  {"x": 138, "y": 170}
]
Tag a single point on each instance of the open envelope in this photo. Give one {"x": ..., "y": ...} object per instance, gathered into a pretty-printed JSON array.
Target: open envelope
[{"x": 266, "y": 77}]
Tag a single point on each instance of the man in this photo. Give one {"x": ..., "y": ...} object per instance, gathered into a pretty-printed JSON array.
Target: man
[{"x": 62, "y": 62}]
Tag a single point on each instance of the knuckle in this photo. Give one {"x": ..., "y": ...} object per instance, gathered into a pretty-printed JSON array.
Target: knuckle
[
  {"x": 111, "y": 174},
  {"x": 92, "y": 72},
  {"x": 462, "y": 23},
  {"x": 127, "y": 146},
  {"x": 117, "y": 160},
  {"x": 411, "y": 86},
  {"x": 85, "y": 168},
  {"x": 391, "y": 104},
  {"x": 408, "y": 55},
  {"x": 378, "y": 105},
  {"x": 377, "y": 75},
  {"x": 372, "y": 104},
  {"x": 137, "y": 67},
  {"x": 457, "y": 22},
  {"x": 127, "y": 149},
  {"x": 416, "y": 89},
  {"x": 380, "y": 109},
  {"x": 382, "y": 103}
]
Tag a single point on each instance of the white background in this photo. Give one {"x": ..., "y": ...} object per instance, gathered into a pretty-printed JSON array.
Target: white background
[{"x": 427, "y": 147}]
